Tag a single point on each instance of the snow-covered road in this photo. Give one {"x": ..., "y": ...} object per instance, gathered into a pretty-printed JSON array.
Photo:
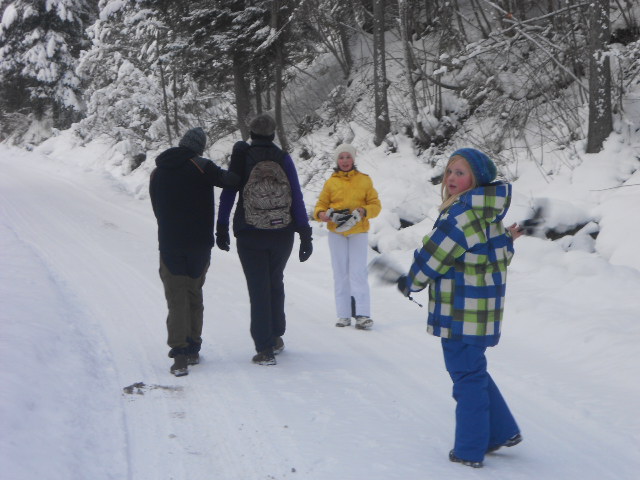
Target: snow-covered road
[{"x": 82, "y": 318}]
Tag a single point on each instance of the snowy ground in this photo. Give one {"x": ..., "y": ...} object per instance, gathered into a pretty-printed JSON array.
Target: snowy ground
[{"x": 86, "y": 392}]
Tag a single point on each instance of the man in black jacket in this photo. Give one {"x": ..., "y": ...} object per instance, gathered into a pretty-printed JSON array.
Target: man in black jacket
[{"x": 181, "y": 191}]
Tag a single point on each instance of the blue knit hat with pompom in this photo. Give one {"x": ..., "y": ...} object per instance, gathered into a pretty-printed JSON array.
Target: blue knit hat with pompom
[{"x": 483, "y": 168}]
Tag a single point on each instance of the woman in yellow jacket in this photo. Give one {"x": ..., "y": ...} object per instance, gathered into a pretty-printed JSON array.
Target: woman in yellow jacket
[{"x": 347, "y": 202}]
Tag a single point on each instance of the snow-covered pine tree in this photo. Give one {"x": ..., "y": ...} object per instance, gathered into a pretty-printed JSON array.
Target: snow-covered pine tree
[
  {"x": 147, "y": 79},
  {"x": 235, "y": 45},
  {"x": 124, "y": 88},
  {"x": 123, "y": 96},
  {"x": 39, "y": 45},
  {"x": 225, "y": 37}
]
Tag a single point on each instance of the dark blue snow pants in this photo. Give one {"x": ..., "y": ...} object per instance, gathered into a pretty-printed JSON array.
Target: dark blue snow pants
[
  {"x": 483, "y": 418},
  {"x": 264, "y": 255}
]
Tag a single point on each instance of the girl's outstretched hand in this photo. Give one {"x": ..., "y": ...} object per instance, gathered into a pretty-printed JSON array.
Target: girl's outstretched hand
[
  {"x": 402, "y": 285},
  {"x": 515, "y": 230}
]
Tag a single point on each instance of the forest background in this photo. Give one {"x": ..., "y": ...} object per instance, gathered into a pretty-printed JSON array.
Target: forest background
[
  {"x": 514, "y": 78},
  {"x": 91, "y": 92}
]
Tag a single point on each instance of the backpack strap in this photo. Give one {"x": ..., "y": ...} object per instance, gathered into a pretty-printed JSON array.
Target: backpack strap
[
  {"x": 195, "y": 163},
  {"x": 279, "y": 158}
]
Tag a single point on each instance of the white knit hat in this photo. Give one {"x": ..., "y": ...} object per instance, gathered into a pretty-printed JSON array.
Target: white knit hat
[{"x": 344, "y": 148}]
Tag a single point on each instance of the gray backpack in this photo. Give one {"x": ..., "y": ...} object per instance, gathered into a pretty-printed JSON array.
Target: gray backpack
[{"x": 267, "y": 194}]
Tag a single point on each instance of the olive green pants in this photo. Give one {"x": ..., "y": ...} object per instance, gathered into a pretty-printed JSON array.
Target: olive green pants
[{"x": 186, "y": 309}]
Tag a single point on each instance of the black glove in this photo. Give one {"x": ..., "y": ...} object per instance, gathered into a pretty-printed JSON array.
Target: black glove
[
  {"x": 306, "y": 246},
  {"x": 531, "y": 225},
  {"x": 222, "y": 237},
  {"x": 403, "y": 287}
]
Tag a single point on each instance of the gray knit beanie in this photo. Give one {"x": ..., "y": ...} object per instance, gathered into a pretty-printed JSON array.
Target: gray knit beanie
[
  {"x": 263, "y": 125},
  {"x": 195, "y": 140}
]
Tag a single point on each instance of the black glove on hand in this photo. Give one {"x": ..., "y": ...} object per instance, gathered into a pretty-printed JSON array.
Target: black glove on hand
[
  {"x": 222, "y": 237},
  {"x": 306, "y": 246},
  {"x": 403, "y": 287}
]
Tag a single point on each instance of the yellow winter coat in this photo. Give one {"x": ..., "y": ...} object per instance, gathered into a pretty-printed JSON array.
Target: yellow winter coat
[{"x": 350, "y": 190}]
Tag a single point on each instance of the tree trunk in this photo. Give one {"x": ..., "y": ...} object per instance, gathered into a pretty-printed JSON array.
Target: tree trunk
[
  {"x": 166, "y": 103},
  {"x": 346, "y": 49},
  {"x": 243, "y": 99},
  {"x": 267, "y": 93},
  {"x": 282, "y": 136},
  {"x": 431, "y": 8},
  {"x": 176, "y": 121},
  {"x": 419, "y": 132},
  {"x": 278, "y": 71},
  {"x": 600, "y": 115},
  {"x": 383, "y": 125},
  {"x": 458, "y": 15},
  {"x": 344, "y": 40},
  {"x": 258, "y": 92},
  {"x": 479, "y": 12}
]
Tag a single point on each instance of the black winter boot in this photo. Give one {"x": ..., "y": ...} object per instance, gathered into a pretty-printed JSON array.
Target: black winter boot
[
  {"x": 265, "y": 357},
  {"x": 180, "y": 366},
  {"x": 278, "y": 346}
]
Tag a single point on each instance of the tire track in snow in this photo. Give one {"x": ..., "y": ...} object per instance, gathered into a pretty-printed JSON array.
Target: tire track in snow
[
  {"x": 90, "y": 244},
  {"x": 65, "y": 227}
]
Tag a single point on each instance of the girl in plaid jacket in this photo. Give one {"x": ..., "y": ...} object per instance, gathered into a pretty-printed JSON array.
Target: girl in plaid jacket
[{"x": 464, "y": 262}]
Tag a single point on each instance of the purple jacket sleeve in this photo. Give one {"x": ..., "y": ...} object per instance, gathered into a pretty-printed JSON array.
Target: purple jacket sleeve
[
  {"x": 297, "y": 202},
  {"x": 227, "y": 199},
  {"x": 228, "y": 195}
]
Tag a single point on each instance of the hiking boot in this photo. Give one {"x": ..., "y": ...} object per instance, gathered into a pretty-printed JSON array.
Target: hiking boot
[
  {"x": 265, "y": 357},
  {"x": 468, "y": 463},
  {"x": 180, "y": 366},
  {"x": 343, "y": 322},
  {"x": 278, "y": 346},
  {"x": 193, "y": 359},
  {"x": 515, "y": 440},
  {"x": 363, "y": 322}
]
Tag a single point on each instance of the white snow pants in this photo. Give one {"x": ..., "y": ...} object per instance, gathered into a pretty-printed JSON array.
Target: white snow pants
[{"x": 350, "y": 279}]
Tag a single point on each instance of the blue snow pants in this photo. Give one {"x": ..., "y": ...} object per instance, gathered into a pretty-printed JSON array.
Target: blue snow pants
[
  {"x": 483, "y": 418},
  {"x": 264, "y": 255}
]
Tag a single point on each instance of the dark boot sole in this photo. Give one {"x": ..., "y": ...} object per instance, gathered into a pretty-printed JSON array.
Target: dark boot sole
[
  {"x": 266, "y": 362},
  {"x": 468, "y": 463},
  {"x": 512, "y": 442}
]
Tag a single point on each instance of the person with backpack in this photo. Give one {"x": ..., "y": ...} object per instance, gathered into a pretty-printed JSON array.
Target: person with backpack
[
  {"x": 181, "y": 191},
  {"x": 270, "y": 210},
  {"x": 347, "y": 201},
  {"x": 463, "y": 261}
]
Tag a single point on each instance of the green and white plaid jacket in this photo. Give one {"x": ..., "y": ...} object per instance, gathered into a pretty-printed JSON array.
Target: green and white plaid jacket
[{"x": 464, "y": 261}]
